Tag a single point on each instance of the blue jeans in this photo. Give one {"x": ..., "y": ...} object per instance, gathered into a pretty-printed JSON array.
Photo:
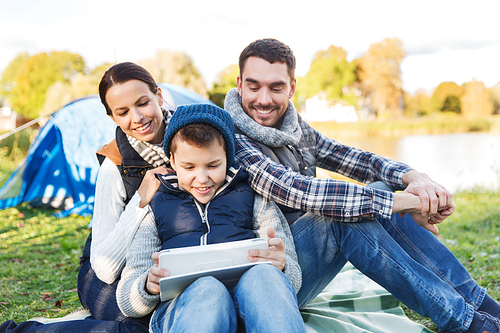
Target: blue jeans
[
  {"x": 263, "y": 301},
  {"x": 404, "y": 258},
  {"x": 100, "y": 299}
]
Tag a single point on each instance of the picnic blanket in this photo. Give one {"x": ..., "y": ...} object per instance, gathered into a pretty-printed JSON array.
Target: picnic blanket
[{"x": 354, "y": 303}]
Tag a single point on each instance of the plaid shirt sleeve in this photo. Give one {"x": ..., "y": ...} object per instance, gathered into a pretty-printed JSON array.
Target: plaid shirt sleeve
[
  {"x": 359, "y": 165},
  {"x": 345, "y": 201}
]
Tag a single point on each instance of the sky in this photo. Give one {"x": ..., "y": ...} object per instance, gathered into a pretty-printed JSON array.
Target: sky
[{"x": 444, "y": 40}]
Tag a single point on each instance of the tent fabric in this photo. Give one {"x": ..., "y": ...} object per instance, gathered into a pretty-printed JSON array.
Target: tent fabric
[{"x": 60, "y": 169}]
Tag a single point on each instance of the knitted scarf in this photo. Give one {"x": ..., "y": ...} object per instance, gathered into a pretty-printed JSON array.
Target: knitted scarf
[
  {"x": 288, "y": 134},
  {"x": 152, "y": 153}
]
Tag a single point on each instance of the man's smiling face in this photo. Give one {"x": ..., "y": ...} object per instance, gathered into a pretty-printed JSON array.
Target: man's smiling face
[{"x": 265, "y": 90}]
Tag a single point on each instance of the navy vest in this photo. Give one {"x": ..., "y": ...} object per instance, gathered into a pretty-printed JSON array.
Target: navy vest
[
  {"x": 133, "y": 169},
  {"x": 182, "y": 221}
]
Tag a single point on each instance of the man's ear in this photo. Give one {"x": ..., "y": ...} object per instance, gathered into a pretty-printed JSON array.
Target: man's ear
[
  {"x": 293, "y": 86},
  {"x": 239, "y": 83}
]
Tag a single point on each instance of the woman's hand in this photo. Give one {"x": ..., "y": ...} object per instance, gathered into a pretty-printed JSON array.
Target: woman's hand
[
  {"x": 276, "y": 252},
  {"x": 154, "y": 276},
  {"x": 150, "y": 184}
]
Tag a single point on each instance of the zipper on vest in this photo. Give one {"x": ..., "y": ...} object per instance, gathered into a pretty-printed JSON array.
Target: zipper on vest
[{"x": 204, "y": 221}]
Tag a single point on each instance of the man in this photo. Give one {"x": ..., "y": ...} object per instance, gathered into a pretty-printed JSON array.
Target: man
[{"x": 334, "y": 221}]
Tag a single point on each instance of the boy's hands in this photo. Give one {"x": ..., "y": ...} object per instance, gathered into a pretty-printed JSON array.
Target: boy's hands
[
  {"x": 276, "y": 252},
  {"x": 154, "y": 276},
  {"x": 150, "y": 184}
]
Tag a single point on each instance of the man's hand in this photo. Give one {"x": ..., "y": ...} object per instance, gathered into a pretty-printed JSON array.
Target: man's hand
[
  {"x": 276, "y": 252},
  {"x": 409, "y": 203},
  {"x": 154, "y": 276},
  {"x": 436, "y": 202},
  {"x": 150, "y": 184}
]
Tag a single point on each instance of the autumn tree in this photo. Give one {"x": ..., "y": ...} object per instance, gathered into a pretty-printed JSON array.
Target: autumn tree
[
  {"x": 61, "y": 93},
  {"x": 418, "y": 104},
  {"x": 446, "y": 97},
  {"x": 476, "y": 100},
  {"x": 224, "y": 81},
  {"x": 331, "y": 74},
  {"x": 175, "y": 67},
  {"x": 495, "y": 95},
  {"x": 379, "y": 71},
  {"x": 26, "y": 86},
  {"x": 8, "y": 80}
]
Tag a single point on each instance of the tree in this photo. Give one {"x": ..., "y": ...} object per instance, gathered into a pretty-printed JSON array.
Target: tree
[
  {"x": 35, "y": 75},
  {"x": 332, "y": 74},
  {"x": 379, "y": 71},
  {"x": 417, "y": 105},
  {"x": 476, "y": 100},
  {"x": 175, "y": 67},
  {"x": 225, "y": 80},
  {"x": 495, "y": 95},
  {"x": 60, "y": 93},
  {"x": 9, "y": 74},
  {"x": 444, "y": 91},
  {"x": 451, "y": 104}
]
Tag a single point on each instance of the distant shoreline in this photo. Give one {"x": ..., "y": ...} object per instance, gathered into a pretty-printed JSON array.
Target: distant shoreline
[{"x": 418, "y": 126}]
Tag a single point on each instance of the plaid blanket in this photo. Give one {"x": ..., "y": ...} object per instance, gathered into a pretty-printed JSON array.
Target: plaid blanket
[{"x": 353, "y": 303}]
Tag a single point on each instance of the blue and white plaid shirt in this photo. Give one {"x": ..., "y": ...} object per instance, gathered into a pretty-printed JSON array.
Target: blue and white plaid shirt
[{"x": 344, "y": 201}]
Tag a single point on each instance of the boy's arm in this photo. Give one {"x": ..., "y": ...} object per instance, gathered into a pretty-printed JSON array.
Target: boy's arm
[
  {"x": 131, "y": 295},
  {"x": 267, "y": 214}
]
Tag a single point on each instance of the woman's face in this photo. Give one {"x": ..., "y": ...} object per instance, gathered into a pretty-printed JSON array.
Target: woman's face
[{"x": 136, "y": 110}]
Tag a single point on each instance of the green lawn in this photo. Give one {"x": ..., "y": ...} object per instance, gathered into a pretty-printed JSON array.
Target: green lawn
[{"x": 39, "y": 254}]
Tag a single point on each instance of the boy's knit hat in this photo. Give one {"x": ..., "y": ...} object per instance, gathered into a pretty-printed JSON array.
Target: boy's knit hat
[{"x": 206, "y": 114}]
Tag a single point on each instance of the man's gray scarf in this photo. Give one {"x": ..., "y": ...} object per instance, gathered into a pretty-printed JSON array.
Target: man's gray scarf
[
  {"x": 152, "y": 153},
  {"x": 288, "y": 134}
]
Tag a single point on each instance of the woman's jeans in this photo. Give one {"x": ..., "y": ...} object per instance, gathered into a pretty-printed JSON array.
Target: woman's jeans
[
  {"x": 100, "y": 299},
  {"x": 263, "y": 301},
  {"x": 404, "y": 258}
]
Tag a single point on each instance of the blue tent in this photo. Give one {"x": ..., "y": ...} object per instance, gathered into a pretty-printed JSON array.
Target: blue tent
[{"x": 60, "y": 169}]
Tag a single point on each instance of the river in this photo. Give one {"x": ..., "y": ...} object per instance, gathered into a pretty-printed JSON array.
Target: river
[{"x": 456, "y": 161}]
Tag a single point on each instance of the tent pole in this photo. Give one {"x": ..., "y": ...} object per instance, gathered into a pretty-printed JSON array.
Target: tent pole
[{"x": 20, "y": 128}]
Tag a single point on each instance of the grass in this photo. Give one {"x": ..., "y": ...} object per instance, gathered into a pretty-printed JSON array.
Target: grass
[{"x": 39, "y": 255}]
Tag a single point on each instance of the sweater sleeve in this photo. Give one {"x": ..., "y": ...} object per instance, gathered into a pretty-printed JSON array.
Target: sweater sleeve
[
  {"x": 131, "y": 295},
  {"x": 114, "y": 224},
  {"x": 267, "y": 214}
]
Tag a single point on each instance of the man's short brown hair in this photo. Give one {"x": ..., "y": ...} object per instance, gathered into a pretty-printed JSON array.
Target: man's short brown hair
[{"x": 271, "y": 50}]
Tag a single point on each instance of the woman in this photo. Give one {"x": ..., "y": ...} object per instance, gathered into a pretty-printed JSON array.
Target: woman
[{"x": 125, "y": 184}]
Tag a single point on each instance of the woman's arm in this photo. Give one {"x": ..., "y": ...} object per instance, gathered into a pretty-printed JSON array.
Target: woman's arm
[{"x": 114, "y": 224}]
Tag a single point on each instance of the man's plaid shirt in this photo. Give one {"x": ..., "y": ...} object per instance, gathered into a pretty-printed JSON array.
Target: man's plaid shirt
[{"x": 345, "y": 201}]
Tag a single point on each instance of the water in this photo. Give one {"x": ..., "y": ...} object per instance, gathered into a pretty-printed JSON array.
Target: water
[{"x": 456, "y": 161}]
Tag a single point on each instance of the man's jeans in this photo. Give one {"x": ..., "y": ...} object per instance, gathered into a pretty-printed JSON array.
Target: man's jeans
[
  {"x": 404, "y": 258},
  {"x": 263, "y": 301},
  {"x": 100, "y": 299}
]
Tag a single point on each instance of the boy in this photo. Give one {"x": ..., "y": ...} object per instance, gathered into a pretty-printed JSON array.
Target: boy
[{"x": 208, "y": 201}]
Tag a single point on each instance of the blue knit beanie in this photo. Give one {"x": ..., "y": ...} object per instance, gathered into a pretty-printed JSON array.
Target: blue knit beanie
[{"x": 206, "y": 114}]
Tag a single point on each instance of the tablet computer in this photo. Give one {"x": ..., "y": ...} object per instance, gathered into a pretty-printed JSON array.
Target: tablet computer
[{"x": 224, "y": 261}]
